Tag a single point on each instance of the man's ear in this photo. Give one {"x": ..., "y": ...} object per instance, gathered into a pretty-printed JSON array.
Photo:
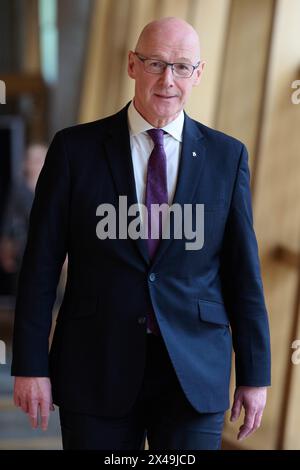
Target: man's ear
[
  {"x": 131, "y": 65},
  {"x": 198, "y": 73}
]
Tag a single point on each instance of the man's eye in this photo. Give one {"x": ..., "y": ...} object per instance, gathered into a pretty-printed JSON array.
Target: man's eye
[
  {"x": 156, "y": 64},
  {"x": 182, "y": 66}
]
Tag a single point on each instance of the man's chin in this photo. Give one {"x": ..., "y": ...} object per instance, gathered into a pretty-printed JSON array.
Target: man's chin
[{"x": 166, "y": 111}]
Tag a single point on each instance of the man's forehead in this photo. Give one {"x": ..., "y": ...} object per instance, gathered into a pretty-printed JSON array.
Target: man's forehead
[
  {"x": 166, "y": 52},
  {"x": 170, "y": 38},
  {"x": 180, "y": 46}
]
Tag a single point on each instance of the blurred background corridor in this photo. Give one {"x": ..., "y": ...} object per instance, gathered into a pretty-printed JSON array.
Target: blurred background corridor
[{"x": 64, "y": 62}]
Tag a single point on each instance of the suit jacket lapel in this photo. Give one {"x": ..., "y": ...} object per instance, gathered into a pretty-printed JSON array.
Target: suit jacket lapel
[
  {"x": 118, "y": 153},
  {"x": 189, "y": 174}
]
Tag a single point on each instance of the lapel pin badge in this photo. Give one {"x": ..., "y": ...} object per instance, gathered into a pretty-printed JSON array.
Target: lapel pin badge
[{"x": 194, "y": 154}]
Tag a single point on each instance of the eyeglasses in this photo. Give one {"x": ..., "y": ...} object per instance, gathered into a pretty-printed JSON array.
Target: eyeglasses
[{"x": 155, "y": 66}]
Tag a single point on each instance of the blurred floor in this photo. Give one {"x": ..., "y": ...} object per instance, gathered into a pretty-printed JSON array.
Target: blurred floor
[{"x": 15, "y": 430}]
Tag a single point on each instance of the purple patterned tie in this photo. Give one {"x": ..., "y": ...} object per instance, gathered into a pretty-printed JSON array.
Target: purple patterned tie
[{"x": 156, "y": 193}]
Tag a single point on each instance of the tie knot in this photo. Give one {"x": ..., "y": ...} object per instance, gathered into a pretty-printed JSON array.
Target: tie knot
[{"x": 157, "y": 135}]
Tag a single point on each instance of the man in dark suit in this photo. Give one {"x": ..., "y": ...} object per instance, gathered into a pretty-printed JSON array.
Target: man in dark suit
[{"x": 143, "y": 339}]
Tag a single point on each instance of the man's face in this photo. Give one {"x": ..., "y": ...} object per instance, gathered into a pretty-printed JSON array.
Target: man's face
[{"x": 161, "y": 97}]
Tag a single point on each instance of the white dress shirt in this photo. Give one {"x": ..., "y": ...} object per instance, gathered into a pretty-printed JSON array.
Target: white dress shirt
[{"x": 142, "y": 146}]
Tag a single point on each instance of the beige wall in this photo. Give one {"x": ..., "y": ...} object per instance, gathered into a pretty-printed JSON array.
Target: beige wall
[{"x": 277, "y": 215}]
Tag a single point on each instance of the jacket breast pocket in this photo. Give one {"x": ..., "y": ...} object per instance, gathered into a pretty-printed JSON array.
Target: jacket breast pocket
[{"x": 212, "y": 312}]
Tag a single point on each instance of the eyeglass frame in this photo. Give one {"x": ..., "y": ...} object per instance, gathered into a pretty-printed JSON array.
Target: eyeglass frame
[{"x": 143, "y": 58}]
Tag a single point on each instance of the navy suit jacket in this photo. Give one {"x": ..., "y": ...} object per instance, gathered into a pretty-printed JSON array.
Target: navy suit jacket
[{"x": 203, "y": 299}]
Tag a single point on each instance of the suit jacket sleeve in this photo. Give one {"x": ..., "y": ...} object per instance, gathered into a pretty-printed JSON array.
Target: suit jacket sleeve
[
  {"x": 243, "y": 289},
  {"x": 44, "y": 255}
]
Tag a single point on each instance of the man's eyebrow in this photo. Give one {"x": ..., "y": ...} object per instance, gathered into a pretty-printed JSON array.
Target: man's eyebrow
[
  {"x": 179, "y": 60},
  {"x": 184, "y": 59}
]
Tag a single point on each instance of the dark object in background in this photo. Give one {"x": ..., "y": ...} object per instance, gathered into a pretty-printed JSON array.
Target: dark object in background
[{"x": 11, "y": 155}]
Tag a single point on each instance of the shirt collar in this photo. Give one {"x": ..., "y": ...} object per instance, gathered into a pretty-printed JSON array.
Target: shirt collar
[{"x": 137, "y": 124}]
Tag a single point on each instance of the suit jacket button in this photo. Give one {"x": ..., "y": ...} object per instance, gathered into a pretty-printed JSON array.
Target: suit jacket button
[
  {"x": 142, "y": 320},
  {"x": 152, "y": 277}
]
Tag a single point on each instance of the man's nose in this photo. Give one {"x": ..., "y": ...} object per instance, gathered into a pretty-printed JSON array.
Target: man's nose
[{"x": 167, "y": 77}]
